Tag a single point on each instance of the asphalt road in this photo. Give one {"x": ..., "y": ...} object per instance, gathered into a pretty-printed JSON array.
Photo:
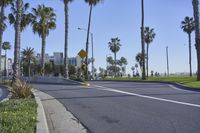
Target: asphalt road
[
  {"x": 3, "y": 93},
  {"x": 129, "y": 107}
]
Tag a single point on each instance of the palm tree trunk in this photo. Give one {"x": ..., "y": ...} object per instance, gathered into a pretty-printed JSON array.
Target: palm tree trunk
[
  {"x": 43, "y": 53},
  {"x": 87, "y": 42},
  {"x": 16, "y": 65},
  {"x": 197, "y": 34},
  {"x": 190, "y": 56},
  {"x": 29, "y": 69},
  {"x": 66, "y": 40},
  {"x": 1, "y": 34},
  {"x": 115, "y": 56},
  {"x": 142, "y": 42},
  {"x": 147, "y": 60},
  {"x": 5, "y": 63}
]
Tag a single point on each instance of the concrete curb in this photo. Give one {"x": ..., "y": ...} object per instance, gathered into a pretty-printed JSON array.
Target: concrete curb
[
  {"x": 9, "y": 95},
  {"x": 60, "y": 120},
  {"x": 181, "y": 86},
  {"x": 42, "y": 126}
]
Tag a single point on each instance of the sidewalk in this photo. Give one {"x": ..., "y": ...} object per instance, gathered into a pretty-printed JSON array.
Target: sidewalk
[{"x": 59, "y": 120}]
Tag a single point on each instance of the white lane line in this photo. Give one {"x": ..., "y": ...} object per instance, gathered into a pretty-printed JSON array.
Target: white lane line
[
  {"x": 173, "y": 87},
  {"x": 144, "y": 96}
]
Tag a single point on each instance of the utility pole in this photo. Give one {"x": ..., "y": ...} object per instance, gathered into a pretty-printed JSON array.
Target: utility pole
[
  {"x": 167, "y": 61},
  {"x": 92, "y": 42}
]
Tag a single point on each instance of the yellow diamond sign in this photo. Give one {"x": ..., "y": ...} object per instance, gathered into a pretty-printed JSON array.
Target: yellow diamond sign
[{"x": 82, "y": 53}]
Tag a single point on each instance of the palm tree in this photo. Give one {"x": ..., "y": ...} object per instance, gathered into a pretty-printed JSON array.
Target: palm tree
[
  {"x": 188, "y": 27},
  {"x": 110, "y": 60},
  {"x": 149, "y": 35},
  {"x": 136, "y": 67},
  {"x": 66, "y": 3},
  {"x": 114, "y": 46},
  {"x": 28, "y": 57},
  {"x": 195, "y": 4},
  {"x": 133, "y": 69},
  {"x": 143, "y": 41},
  {"x": 20, "y": 18},
  {"x": 3, "y": 5},
  {"x": 91, "y": 4},
  {"x": 6, "y": 46},
  {"x": 139, "y": 58},
  {"x": 123, "y": 62},
  {"x": 44, "y": 21}
]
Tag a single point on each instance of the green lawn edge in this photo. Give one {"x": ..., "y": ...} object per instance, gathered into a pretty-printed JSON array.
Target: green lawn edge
[{"x": 184, "y": 80}]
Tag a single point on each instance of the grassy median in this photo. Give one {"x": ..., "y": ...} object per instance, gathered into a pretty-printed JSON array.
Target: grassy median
[
  {"x": 185, "y": 80},
  {"x": 18, "y": 116}
]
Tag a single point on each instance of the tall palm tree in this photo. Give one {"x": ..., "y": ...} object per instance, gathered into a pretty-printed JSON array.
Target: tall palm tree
[
  {"x": 20, "y": 18},
  {"x": 44, "y": 21},
  {"x": 188, "y": 27},
  {"x": 91, "y": 4},
  {"x": 3, "y": 5},
  {"x": 66, "y": 3},
  {"x": 6, "y": 46},
  {"x": 114, "y": 46},
  {"x": 28, "y": 57},
  {"x": 143, "y": 41},
  {"x": 149, "y": 35},
  {"x": 195, "y": 4}
]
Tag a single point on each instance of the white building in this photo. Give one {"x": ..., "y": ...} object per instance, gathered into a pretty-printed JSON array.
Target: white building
[
  {"x": 46, "y": 58},
  {"x": 8, "y": 65},
  {"x": 58, "y": 59}
]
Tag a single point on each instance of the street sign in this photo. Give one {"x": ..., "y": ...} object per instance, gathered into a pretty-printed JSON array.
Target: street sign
[{"x": 82, "y": 53}]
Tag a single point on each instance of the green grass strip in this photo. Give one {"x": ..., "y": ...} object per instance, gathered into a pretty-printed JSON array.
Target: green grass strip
[
  {"x": 18, "y": 116},
  {"x": 185, "y": 80}
]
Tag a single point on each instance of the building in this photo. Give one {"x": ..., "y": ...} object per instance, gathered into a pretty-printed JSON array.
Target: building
[
  {"x": 8, "y": 65},
  {"x": 46, "y": 58},
  {"x": 58, "y": 59}
]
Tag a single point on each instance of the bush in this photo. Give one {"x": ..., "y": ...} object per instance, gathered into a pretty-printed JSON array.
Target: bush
[
  {"x": 21, "y": 90},
  {"x": 7, "y": 82},
  {"x": 73, "y": 77}
]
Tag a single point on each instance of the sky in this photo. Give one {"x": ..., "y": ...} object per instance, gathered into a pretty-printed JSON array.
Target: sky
[{"x": 114, "y": 18}]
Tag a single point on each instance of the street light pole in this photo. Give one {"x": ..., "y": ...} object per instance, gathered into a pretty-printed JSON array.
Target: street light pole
[
  {"x": 167, "y": 61},
  {"x": 91, "y": 34}
]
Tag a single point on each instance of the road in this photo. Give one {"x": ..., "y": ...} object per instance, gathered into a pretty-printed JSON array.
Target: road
[
  {"x": 3, "y": 93},
  {"x": 129, "y": 107}
]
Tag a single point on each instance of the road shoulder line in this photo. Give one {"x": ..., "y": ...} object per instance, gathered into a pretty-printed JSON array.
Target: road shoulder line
[{"x": 145, "y": 96}]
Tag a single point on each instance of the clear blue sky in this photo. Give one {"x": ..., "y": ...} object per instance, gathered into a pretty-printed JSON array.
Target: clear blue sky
[{"x": 114, "y": 18}]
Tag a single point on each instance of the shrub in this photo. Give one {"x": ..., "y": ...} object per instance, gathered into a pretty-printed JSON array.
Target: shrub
[
  {"x": 21, "y": 90},
  {"x": 7, "y": 82},
  {"x": 73, "y": 77}
]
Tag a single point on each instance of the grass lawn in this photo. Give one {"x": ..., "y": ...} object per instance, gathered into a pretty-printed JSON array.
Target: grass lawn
[
  {"x": 188, "y": 81},
  {"x": 18, "y": 116}
]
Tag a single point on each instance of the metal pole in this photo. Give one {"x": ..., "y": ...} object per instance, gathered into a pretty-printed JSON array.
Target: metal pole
[
  {"x": 92, "y": 49},
  {"x": 167, "y": 61}
]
